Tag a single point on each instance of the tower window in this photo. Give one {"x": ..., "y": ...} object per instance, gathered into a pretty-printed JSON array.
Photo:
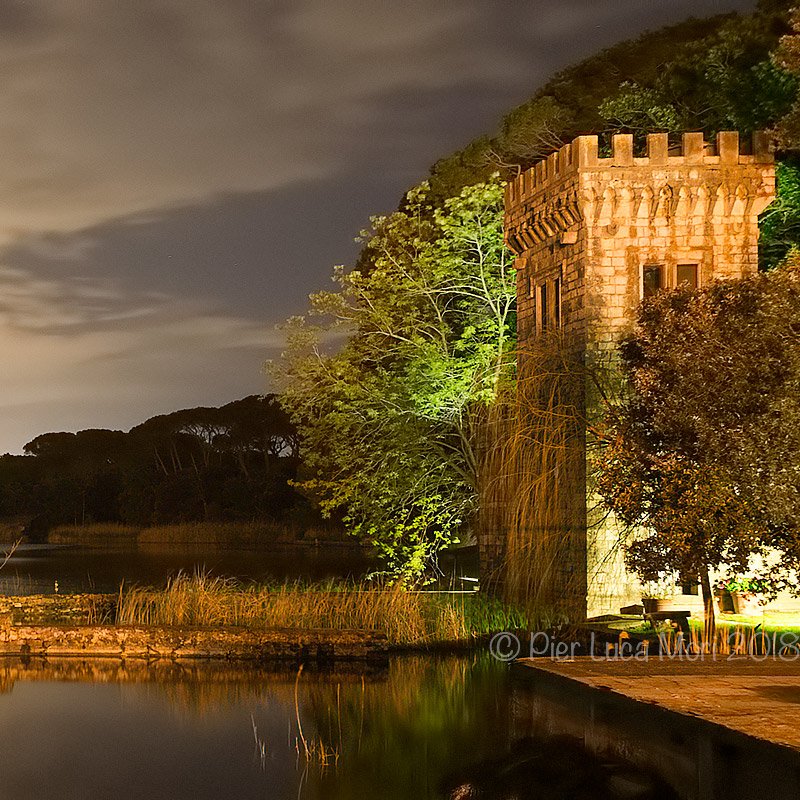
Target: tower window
[
  {"x": 687, "y": 276},
  {"x": 652, "y": 279},
  {"x": 557, "y": 302},
  {"x": 544, "y": 315}
]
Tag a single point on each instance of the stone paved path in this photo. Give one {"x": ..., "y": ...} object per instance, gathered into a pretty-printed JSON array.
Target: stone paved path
[{"x": 758, "y": 698}]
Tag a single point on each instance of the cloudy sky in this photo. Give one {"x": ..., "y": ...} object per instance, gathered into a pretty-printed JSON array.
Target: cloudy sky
[{"x": 178, "y": 175}]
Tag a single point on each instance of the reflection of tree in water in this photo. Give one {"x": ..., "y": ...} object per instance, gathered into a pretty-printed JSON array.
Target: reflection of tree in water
[
  {"x": 187, "y": 685},
  {"x": 416, "y": 734},
  {"x": 411, "y": 731},
  {"x": 401, "y": 735},
  {"x": 401, "y": 728}
]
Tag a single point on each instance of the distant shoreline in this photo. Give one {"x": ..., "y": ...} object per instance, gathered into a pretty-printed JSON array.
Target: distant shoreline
[{"x": 205, "y": 535}]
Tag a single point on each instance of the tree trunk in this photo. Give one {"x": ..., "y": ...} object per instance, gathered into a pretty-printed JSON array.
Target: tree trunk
[{"x": 710, "y": 621}]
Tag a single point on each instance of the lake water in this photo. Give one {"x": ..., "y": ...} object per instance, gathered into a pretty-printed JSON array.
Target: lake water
[
  {"x": 102, "y": 731},
  {"x": 35, "y": 569},
  {"x": 425, "y": 728}
]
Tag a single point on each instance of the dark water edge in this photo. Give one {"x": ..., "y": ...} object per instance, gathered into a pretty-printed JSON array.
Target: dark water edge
[
  {"x": 423, "y": 728},
  {"x": 42, "y": 569},
  {"x": 688, "y": 757}
]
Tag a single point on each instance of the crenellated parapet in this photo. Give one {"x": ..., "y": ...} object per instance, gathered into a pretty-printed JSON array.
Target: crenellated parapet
[
  {"x": 674, "y": 186},
  {"x": 592, "y": 235}
]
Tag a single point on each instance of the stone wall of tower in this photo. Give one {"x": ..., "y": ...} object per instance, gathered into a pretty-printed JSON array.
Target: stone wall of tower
[
  {"x": 585, "y": 228},
  {"x": 600, "y": 220}
]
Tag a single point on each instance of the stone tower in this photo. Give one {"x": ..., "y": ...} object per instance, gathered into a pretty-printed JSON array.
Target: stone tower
[{"x": 593, "y": 236}]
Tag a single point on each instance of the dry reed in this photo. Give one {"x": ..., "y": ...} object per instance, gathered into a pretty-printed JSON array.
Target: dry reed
[
  {"x": 314, "y": 748},
  {"x": 94, "y": 534},
  {"x": 404, "y": 616},
  {"x": 533, "y": 483}
]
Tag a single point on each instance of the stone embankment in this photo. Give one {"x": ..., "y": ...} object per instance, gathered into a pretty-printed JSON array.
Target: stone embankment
[
  {"x": 157, "y": 642},
  {"x": 754, "y": 695},
  {"x": 79, "y": 626},
  {"x": 75, "y": 609}
]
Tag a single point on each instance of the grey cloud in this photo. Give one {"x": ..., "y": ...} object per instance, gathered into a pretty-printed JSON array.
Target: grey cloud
[
  {"x": 256, "y": 254},
  {"x": 66, "y": 371},
  {"x": 134, "y": 106},
  {"x": 126, "y": 107},
  {"x": 179, "y": 174},
  {"x": 52, "y": 306}
]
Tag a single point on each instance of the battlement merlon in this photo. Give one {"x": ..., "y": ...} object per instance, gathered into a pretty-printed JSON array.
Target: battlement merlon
[{"x": 582, "y": 153}]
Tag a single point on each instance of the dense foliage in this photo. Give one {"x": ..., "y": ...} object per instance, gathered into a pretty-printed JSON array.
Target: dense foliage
[
  {"x": 200, "y": 464},
  {"x": 726, "y": 81},
  {"x": 390, "y": 425},
  {"x": 704, "y": 455},
  {"x": 703, "y": 73},
  {"x": 388, "y": 422},
  {"x": 730, "y": 72}
]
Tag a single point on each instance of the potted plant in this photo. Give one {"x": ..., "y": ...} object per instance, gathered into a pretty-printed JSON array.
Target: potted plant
[
  {"x": 659, "y": 595},
  {"x": 744, "y": 595},
  {"x": 722, "y": 598}
]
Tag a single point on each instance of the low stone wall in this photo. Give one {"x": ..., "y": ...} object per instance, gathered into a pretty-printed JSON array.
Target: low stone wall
[
  {"x": 238, "y": 644},
  {"x": 75, "y": 609},
  {"x": 82, "y": 625}
]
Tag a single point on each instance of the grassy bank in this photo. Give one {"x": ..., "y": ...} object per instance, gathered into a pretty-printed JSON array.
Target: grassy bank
[
  {"x": 214, "y": 534},
  {"x": 11, "y": 530},
  {"x": 775, "y": 634},
  {"x": 405, "y": 617}
]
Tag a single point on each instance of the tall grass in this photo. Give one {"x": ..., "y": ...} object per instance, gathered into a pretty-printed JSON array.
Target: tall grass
[
  {"x": 559, "y": 557},
  {"x": 405, "y": 617},
  {"x": 731, "y": 639},
  {"x": 189, "y": 534},
  {"x": 94, "y": 534},
  {"x": 534, "y": 487}
]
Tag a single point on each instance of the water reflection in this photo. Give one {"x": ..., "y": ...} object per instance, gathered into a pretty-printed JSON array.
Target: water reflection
[
  {"x": 104, "y": 729},
  {"x": 35, "y": 569},
  {"x": 558, "y": 768},
  {"x": 451, "y": 728}
]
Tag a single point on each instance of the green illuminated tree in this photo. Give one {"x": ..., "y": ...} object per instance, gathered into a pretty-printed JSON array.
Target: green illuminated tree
[{"x": 389, "y": 421}]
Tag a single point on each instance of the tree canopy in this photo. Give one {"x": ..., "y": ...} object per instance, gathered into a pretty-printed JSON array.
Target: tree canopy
[
  {"x": 702, "y": 74},
  {"x": 388, "y": 421},
  {"x": 704, "y": 454},
  {"x": 728, "y": 80},
  {"x": 202, "y": 464}
]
